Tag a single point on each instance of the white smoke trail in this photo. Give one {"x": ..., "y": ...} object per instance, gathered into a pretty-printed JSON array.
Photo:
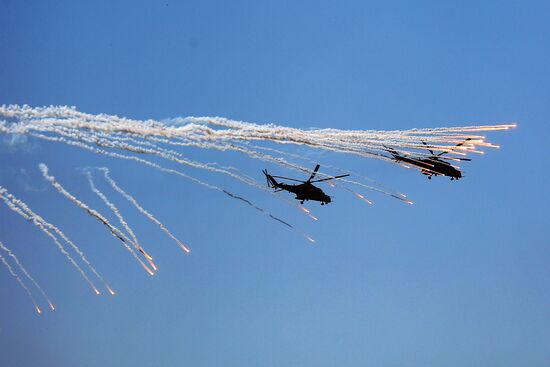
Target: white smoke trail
[
  {"x": 29, "y": 277},
  {"x": 114, "y": 231},
  {"x": 115, "y": 142},
  {"x": 150, "y": 164},
  {"x": 121, "y": 219},
  {"x": 112, "y": 132},
  {"x": 154, "y": 150},
  {"x": 132, "y": 200},
  {"x": 42, "y": 225},
  {"x": 107, "y": 135},
  {"x": 381, "y": 189},
  {"x": 368, "y": 143},
  {"x": 61, "y": 234},
  {"x": 14, "y": 274},
  {"x": 218, "y": 133}
]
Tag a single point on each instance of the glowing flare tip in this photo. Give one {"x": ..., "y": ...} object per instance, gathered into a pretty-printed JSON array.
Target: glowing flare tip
[
  {"x": 363, "y": 198},
  {"x": 52, "y": 306},
  {"x": 38, "y": 309},
  {"x": 151, "y": 273},
  {"x": 147, "y": 256}
]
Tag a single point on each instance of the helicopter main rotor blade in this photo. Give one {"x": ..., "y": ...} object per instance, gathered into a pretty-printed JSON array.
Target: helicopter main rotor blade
[
  {"x": 456, "y": 159},
  {"x": 288, "y": 178},
  {"x": 429, "y": 150},
  {"x": 459, "y": 144},
  {"x": 330, "y": 178},
  {"x": 314, "y": 173}
]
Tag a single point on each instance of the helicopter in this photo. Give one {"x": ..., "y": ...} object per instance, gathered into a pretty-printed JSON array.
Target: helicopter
[
  {"x": 304, "y": 191},
  {"x": 435, "y": 165}
]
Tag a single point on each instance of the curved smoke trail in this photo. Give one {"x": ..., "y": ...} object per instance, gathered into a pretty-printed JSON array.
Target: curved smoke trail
[
  {"x": 131, "y": 140},
  {"x": 26, "y": 273}
]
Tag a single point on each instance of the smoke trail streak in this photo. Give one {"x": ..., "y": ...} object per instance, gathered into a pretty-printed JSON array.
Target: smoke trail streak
[
  {"x": 380, "y": 189},
  {"x": 172, "y": 155},
  {"x": 213, "y": 133},
  {"x": 163, "y": 153},
  {"x": 166, "y": 154},
  {"x": 14, "y": 274},
  {"x": 132, "y": 158},
  {"x": 269, "y": 214},
  {"x": 38, "y": 221},
  {"x": 242, "y": 199},
  {"x": 298, "y": 168},
  {"x": 110, "y": 135},
  {"x": 93, "y": 213},
  {"x": 367, "y": 143},
  {"x": 221, "y": 134},
  {"x": 60, "y": 233},
  {"x": 261, "y": 156},
  {"x": 131, "y": 199},
  {"x": 64, "y": 237},
  {"x": 29, "y": 277},
  {"x": 121, "y": 220}
]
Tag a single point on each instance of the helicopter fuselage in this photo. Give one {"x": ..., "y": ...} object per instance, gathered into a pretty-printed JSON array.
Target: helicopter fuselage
[
  {"x": 306, "y": 191},
  {"x": 431, "y": 166}
]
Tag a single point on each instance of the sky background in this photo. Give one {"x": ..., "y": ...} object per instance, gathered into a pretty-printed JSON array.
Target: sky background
[{"x": 459, "y": 278}]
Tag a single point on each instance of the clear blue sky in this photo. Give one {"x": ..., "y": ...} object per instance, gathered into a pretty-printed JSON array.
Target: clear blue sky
[{"x": 459, "y": 279}]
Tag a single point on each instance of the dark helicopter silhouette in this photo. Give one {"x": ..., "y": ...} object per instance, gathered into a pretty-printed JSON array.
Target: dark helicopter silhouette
[
  {"x": 305, "y": 190},
  {"x": 435, "y": 165}
]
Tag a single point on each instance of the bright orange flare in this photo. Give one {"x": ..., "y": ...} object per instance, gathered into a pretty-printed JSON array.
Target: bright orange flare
[
  {"x": 153, "y": 265},
  {"x": 110, "y": 290},
  {"x": 149, "y": 257},
  {"x": 184, "y": 248},
  {"x": 305, "y": 210},
  {"x": 147, "y": 269},
  {"x": 97, "y": 291},
  {"x": 363, "y": 198},
  {"x": 38, "y": 309}
]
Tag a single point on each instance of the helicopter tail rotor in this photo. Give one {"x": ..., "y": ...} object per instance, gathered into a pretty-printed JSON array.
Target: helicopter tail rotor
[{"x": 271, "y": 183}]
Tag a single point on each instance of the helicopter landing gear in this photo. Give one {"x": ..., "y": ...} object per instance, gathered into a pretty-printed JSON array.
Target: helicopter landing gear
[{"x": 429, "y": 177}]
